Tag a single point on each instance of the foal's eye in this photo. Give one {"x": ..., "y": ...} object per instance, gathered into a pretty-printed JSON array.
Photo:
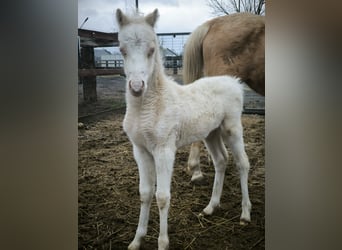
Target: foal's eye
[
  {"x": 150, "y": 52},
  {"x": 123, "y": 51}
]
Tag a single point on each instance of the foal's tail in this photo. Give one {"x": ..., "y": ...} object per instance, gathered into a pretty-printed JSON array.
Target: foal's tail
[{"x": 193, "y": 54}]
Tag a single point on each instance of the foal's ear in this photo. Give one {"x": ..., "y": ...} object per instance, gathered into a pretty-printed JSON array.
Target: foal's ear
[
  {"x": 121, "y": 18},
  {"x": 152, "y": 18}
]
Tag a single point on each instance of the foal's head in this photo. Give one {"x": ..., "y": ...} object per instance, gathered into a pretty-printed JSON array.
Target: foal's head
[{"x": 138, "y": 45}]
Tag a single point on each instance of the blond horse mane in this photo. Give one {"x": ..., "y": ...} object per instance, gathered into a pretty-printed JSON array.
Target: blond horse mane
[{"x": 193, "y": 56}]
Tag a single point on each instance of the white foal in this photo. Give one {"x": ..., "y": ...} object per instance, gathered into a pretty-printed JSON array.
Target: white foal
[{"x": 162, "y": 116}]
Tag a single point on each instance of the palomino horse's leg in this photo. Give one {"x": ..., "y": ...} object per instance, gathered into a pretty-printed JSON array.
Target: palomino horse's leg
[
  {"x": 164, "y": 159},
  {"x": 236, "y": 144},
  {"x": 219, "y": 155},
  {"x": 194, "y": 162},
  {"x": 146, "y": 188}
]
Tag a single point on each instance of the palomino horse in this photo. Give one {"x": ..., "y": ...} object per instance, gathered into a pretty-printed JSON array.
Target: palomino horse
[
  {"x": 233, "y": 45},
  {"x": 157, "y": 124}
]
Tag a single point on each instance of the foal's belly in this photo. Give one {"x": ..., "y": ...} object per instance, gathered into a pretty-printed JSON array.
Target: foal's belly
[{"x": 192, "y": 132}]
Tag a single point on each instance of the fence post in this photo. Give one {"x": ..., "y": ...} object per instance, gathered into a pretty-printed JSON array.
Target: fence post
[
  {"x": 174, "y": 65},
  {"x": 89, "y": 82}
]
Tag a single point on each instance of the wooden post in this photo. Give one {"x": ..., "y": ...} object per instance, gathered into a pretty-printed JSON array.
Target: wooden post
[
  {"x": 89, "y": 82},
  {"x": 174, "y": 62}
]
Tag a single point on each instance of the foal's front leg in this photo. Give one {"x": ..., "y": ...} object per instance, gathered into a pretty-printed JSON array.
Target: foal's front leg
[
  {"x": 164, "y": 159},
  {"x": 147, "y": 178}
]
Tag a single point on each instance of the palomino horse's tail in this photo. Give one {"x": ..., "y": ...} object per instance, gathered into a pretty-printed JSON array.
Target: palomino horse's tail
[{"x": 193, "y": 54}]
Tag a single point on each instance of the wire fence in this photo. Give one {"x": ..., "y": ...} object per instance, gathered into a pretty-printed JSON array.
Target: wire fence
[{"x": 173, "y": 41}]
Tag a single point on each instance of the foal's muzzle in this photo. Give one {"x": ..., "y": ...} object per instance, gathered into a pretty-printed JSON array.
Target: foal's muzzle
[{"x": 136, "y": 87}]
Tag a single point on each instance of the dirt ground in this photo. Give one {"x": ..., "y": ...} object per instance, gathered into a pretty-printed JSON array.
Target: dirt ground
[{"x": 109, "y": 197}]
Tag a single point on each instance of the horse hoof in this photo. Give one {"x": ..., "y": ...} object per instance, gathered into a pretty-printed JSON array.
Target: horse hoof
[{"x": 197, "y": 178}]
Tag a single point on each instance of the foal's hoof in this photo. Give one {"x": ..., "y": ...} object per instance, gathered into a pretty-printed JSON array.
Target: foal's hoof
[
  {"x": 201, "y": 215},
  {"x": 209, "y": 210},
  {"x": 244, "y": 222},
  {"x": 135, "y": 245}
]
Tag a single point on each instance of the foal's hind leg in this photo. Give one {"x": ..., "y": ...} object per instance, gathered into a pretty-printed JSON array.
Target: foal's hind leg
[
  {"x": 194, "y": 162},
  {"x": 234, "y": 139},
  {"x": 219, "y": 155}
]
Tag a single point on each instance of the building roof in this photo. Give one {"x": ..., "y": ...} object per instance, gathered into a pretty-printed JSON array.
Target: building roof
[
  {"x": 91, "y": 38},
  {"x": 101, "y": 52},
  {"x": 168, "y": 52}
]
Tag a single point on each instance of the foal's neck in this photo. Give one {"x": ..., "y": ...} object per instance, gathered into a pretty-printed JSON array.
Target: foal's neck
[{"x": 157, "y": 78}]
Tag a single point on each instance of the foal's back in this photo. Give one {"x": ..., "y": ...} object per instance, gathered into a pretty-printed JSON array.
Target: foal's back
[{"x": 216, "y": 88}]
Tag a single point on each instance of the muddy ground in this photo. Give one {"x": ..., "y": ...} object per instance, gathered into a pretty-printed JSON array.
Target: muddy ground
[{"x": 109, "y": 196}]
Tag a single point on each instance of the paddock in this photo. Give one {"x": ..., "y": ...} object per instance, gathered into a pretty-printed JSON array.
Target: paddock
[{"x": 108, "y": 186}]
